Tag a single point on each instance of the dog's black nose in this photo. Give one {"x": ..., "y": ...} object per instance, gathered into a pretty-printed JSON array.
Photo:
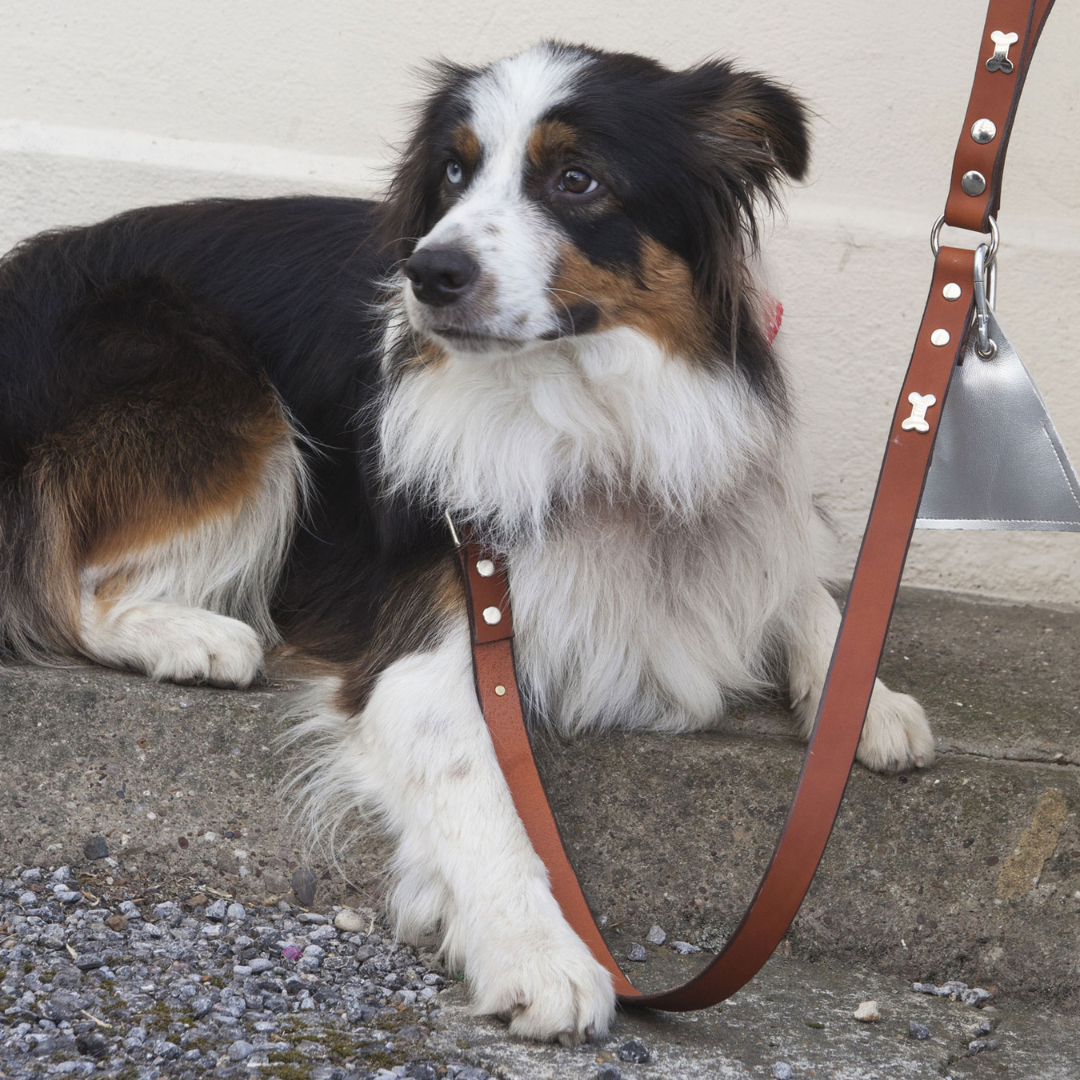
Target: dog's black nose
[{"x": 440, "y": 275}]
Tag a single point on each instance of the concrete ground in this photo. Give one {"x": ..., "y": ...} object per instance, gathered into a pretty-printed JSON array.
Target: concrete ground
[{"x": 968, "y": 871}]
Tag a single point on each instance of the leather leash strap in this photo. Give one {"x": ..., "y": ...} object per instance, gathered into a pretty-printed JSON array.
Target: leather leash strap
[{"x": 850, "y": 682}]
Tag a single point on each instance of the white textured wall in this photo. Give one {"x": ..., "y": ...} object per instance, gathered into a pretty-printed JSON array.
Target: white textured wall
[{"x": 107, "y": 104}]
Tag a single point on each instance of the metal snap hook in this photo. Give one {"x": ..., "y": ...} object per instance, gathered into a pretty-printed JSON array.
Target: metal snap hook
[{"x": 985, "y": 346}]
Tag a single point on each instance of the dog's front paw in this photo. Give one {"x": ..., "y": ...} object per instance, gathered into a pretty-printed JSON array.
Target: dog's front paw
[
  {"x": 896, "y": 735},
  {"x": 548, "y": 985}
]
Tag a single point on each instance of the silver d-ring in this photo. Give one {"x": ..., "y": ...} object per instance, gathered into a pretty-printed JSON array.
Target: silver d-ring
[{"x": 991, "y": 251}]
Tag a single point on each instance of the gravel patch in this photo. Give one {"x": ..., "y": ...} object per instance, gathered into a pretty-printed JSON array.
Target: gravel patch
[{"x": 138, "y": 989}]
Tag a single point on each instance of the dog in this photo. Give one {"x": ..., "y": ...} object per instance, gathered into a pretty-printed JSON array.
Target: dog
[{"x": 229, "y": 423}]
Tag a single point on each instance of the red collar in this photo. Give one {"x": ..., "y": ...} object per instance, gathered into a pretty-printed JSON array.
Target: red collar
[{"x": 774, "y": 318}]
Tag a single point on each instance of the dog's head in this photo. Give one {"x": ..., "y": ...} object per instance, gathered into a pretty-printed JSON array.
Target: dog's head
[{"x": 567, "y": 191}]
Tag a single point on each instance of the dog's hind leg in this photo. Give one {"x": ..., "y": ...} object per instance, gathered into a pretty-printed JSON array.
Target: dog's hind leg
[
  {"x": 158, "y": 512},
  {"x": 896, "y": 734},
  {"x": 416, "y": 754}
]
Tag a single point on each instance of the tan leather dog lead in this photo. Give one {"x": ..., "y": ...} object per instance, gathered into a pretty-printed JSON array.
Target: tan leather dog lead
[{"x": 973, "y": 199}]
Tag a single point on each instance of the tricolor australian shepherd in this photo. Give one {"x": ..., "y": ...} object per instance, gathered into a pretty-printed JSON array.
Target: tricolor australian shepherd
[{"x": 231, "y": 423}]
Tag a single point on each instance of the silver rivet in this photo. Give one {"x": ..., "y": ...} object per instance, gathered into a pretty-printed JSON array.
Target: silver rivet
[
  {"x": 500, "y": 690},
  {"x": 485, "y": 567},
  {"x": 973, "y": 182},
  {"x": 952, "y": 291},
  {"x": 492, "y": 615},
  {"x": 939, "y": 337},
  {"x": 983, "y": 131}
]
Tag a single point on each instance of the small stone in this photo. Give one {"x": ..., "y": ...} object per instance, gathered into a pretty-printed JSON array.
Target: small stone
[
  {"x": 924, "y": 988},
  {"x": 201, "y": 1006},
  {"x": 977, "y": 1046},
  {"x": 656, "y": 935},
  {"x": 356, "y": 1012},
  {"x": 92, "y": 1044},
  {"x": 198, "y": 900},
  {"x": 62, "y": 874},
  {"x": 165, "y": 910},
  {"x": 236, "y": 912},
  {"x": 129, "y": 909},
  {"x": 867, "y": 1012},
  {"x": 918, "y": 1031},
  {"x": 52, "y": 937},
  {"x": 291, "y": 952},
  {"x": 163, "y": 1048},
  {"x": 117, "y": 923},
  {"x": 976, "y": 996},
  {"x": 304, "y": 883},
  {"x": 96, "y": 848},
  {"x": 240, "y": 1050},
  {"x": 636, "y": 952},
  {"x": 68, "y": 896},
  {"x": 684, "y": 948},
  {"x": 606, "y": 1072},
  {"x": 634, "y": 1051},
  {"x": 260, "y": 964},
  {"x": 349, "y": 921},
  {"x": 234, "y": 1007},
  {"x": 984, "y": 1027},
  {"x": 28, "y": 899},
  {"x": 311, "y": 917},
  {"x": 33, "y": 874},
  {"x": 216, "y": 911},
  {"x": 781, "y": 1070}
]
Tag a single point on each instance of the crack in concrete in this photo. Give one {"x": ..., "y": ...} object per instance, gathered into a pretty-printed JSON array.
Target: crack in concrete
[{"x": 960, "y": 752}]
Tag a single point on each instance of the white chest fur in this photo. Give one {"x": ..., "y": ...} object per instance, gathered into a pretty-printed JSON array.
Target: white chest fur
[
  {"x": 622, "y": 620},
  {"x": 654, "y": 515}
]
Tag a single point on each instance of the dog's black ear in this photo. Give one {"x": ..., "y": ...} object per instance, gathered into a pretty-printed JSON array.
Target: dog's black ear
[
  {"x": 756, "y": 131},
  {"x": 412, "y": 203}
]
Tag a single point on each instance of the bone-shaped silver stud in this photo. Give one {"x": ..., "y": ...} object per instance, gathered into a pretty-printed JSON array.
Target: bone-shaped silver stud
[
  {"x": 1000, "y": 60},
  {"x": 919, "y": 404}
]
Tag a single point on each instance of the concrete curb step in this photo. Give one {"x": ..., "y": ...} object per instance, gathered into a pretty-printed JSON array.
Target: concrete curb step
[{"x": 970, "y": 870}]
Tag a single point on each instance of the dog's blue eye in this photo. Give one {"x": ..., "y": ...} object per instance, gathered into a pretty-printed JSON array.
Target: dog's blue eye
[{"x": 453, "y": 172}]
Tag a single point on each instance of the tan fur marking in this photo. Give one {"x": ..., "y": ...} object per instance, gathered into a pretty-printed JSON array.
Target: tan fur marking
[
  {"x": 449, "y": 596},
  {"x": 662, "y": 304},
  {"x": 140, "y": 516},
  {"x": 550, "y": 142},
  {"x": 109, "y": 590},
  {"x": 428, "y": 354},
  {"x": 467, "y": 147}
]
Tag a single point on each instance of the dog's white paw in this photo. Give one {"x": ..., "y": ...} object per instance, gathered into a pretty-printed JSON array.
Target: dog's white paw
[
  {"x": 896, "y": 735},
  {"x": 195, "y": 646},
  {"x": 548, "y": 985},
  {"x": 218, "y": 650}
]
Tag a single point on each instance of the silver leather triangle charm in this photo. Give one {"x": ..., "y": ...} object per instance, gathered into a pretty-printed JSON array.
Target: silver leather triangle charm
[{"x": 998, "y": 461}]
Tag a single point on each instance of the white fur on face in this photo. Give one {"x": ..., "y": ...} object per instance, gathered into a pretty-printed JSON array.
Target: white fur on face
[{"x": 511, "y": 238}]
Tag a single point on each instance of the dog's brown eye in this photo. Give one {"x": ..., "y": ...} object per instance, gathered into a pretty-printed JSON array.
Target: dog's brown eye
[{"x": 577, "y": 182}]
